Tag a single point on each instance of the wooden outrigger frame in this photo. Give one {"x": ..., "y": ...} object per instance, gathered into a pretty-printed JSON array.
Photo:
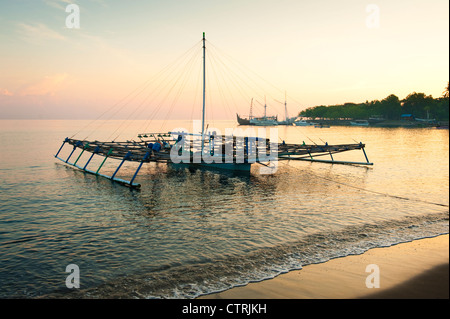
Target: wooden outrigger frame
[
  {"x": 303, "y": 152},
  {"x": 156, "y": 147},
  {"x": 143, "y": 151}
]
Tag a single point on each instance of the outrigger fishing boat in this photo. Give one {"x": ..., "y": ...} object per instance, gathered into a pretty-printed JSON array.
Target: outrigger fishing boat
[{"x": 205, "y": 149}]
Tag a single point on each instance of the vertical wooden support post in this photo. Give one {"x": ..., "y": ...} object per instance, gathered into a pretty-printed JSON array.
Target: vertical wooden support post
[
  {"x": 329, "y": 152},
  {"x": 364, "y": 152},
  {"x": 365, "y": 155},
  {"x": 331, "y": 155},
  {"x": 66, "y": 140},
  {"x": 84, "y": 148},
  {"x": 146, "y": 156},
  {"x": 127, "y": 156},
  {"x": 74, "y": 147},
  {"x": 246, "y": 146},
  {"x": 211, "y": 145},
  {"x": 97, "y": 149},
  {"x": 109, "y": 153}
]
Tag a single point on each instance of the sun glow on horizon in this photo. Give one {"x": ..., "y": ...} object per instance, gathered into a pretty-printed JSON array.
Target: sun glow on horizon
[{"x": 319, "y": 53}]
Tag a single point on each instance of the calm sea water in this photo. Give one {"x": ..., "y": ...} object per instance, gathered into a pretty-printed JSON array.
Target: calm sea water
[{"x": 193, "y": 232}]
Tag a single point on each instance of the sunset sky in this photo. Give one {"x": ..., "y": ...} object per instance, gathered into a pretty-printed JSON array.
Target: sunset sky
[{"x": 319, "y": 52}]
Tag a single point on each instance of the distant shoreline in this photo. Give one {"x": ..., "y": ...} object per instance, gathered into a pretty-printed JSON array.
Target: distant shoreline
[{"x": 386, "y": 123}]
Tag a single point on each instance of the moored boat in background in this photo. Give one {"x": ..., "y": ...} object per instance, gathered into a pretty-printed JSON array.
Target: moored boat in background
[
  {"x": 303, "y": 123},
  {"x": 359, "y": 123}
]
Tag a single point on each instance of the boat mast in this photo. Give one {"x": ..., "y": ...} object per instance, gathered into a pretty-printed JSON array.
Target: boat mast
[
  {"x": 204, "y": 82},
  {"x": 285, "y": 107},
  {"x": 265, "y": 108}
]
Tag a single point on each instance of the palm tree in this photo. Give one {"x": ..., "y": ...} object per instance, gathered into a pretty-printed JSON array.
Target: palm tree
[{"x": 445, "y": 93}]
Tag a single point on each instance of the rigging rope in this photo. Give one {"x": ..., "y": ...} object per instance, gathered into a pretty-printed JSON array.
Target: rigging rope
[
  {"x": 244, "y": 83},
  {"x": 166, "y": 96},
  {"x": 257, "y": 86},
  {"x": 229, "y": 77},
  {"x": 372, "y": 191},
  {"x": 133, "y": 94},
  {"x": 212, "y": 66},
  {"x": 185, "y": 75},
  {"x": 196, "y": 92}
]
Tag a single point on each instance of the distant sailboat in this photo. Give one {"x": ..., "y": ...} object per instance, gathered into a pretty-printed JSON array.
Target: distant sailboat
[
  {"x": 258, "y": 121},
  {"x": 266, "y": 120},
  {"x": 287, "y": 120}
]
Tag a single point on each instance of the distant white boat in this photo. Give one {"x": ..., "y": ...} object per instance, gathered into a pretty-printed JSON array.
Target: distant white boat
[
  {"x": 303, "y": 123},
  {"x": 264, "y": 121},
  {"x": 430, "y": 121},
  {"x": 359, "y": 123},
  {"x": 375, "y": 119}
]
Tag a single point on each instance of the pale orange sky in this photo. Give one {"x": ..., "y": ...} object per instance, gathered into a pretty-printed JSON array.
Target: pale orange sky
[{"x": 319, "y": 52}]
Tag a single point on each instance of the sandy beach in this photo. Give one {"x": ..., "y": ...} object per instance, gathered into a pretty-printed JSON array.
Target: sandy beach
[{"x": 417, "y": 269}]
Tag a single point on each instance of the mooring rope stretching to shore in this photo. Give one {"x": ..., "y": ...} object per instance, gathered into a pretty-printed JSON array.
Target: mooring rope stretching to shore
[{"x": 372, "y": 191}]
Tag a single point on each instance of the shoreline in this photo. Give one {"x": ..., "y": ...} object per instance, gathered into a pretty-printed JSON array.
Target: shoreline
[{"x": 417, "y": 269}]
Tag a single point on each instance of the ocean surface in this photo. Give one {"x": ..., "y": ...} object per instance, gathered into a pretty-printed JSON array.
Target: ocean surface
[{"x": 190, "y": 232}]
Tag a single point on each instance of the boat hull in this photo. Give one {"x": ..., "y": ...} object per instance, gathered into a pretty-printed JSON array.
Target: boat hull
[
  {"x": 243, "y": 121},
  {"x": 264, "y": 121},
  {"x": 265, "y": 124},
  {"x": 303, "y": 123},
  {"x": 359, "y": 123},
  {"x": 232, "y": 167}
]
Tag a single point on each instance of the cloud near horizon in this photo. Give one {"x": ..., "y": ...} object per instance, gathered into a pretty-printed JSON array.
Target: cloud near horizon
[
  {"x": 49, "y": 85},
  {"x": 5, "y": 92}
]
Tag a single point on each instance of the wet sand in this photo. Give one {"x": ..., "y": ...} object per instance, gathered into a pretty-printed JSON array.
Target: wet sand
[{"x": 417, "y": 269}]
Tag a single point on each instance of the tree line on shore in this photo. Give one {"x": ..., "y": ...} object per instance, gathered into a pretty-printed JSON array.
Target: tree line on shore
[{"x": 418, "y": 105}]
